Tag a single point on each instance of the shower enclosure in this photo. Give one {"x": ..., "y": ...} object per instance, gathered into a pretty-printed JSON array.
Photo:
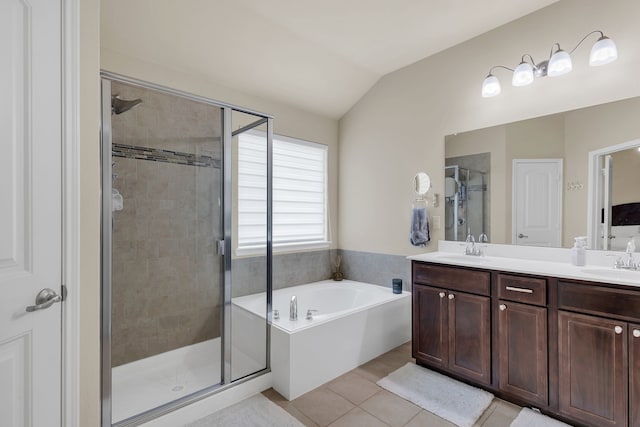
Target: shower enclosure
[
  {"x": 170, "y": 331},
  {"x": 467, "y": 196}
]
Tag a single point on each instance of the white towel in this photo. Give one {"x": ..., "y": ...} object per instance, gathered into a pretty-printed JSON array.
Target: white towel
[{"x": 419, "y": 234}]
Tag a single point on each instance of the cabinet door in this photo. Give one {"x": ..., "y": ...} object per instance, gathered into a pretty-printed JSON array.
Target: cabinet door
[
  {"x": 593, "y": 369},
  {"x": 522, "y": 334},
  {"x": 429, "y": 325},
  {"x": 470, "y": 336},
  {"x": 634, "y": 376}
]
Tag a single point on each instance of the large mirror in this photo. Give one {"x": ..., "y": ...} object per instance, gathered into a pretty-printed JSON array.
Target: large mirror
[{"x": 527, "y": 182}]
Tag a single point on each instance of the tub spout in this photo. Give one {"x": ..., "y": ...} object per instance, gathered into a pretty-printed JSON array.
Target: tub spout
[{"x": 293, "y": 308}]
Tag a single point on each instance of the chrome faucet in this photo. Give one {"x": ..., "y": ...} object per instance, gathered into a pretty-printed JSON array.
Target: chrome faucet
[{"x": 293, "y": 308}]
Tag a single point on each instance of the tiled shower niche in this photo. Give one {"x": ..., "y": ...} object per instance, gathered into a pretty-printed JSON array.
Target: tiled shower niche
[{"x": 166, "y": 283}]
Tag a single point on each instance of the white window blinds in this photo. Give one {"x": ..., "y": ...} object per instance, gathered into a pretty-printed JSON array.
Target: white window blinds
[{"x": 299, "y": 192}]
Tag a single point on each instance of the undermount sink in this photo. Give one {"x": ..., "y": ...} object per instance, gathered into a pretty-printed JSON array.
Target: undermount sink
[
  {"x": 463, "y": 258},
  {"x": 612, "y": 273}
]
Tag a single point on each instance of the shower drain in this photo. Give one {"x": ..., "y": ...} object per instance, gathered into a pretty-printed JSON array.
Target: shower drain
[{"x": 178, "y": 388}]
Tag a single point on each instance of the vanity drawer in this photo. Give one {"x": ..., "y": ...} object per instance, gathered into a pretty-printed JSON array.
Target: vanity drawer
[
  {"x": 528, "y": 290},
  {"x": 455, "y": 278},
  {"x": 599, "y": 299}
]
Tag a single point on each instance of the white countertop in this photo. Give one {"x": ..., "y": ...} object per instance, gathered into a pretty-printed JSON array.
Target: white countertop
[{"x": 540, "y": 261}]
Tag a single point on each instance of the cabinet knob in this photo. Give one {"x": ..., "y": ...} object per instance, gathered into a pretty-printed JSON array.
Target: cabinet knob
[
  {"x": 503, "y": 307},
  {"x": 442, "y": 294},
  {"x": 618, "y": 329},
  {"x": 451, "y": 296},
  {"x": 636, "y": 333}
]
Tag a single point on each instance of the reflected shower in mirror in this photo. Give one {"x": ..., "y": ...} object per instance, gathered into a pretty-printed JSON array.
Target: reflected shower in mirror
[
  {"x": 569, "y": 136},
  {"x": 466, "y": 196}
]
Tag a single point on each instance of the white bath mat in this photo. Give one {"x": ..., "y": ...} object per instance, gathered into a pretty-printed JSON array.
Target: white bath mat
[
  {"x": 255, "y": 411},
  {"x": 449, "y": 399},
  {"x": 529, "y": 418}
]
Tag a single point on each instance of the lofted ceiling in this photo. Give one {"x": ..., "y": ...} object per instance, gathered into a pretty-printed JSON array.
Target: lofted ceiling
[{"x": 318, "y": 56}]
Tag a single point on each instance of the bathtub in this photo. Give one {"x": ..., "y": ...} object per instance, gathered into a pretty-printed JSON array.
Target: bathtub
[{"x": 353, "y": 323}]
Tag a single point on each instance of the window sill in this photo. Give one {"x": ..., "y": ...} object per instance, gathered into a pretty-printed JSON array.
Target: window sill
[{"x": 281, "y": 248}]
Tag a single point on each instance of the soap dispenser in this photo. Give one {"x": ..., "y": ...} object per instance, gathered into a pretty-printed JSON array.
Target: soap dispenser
[{"x": 578, "y": 252}]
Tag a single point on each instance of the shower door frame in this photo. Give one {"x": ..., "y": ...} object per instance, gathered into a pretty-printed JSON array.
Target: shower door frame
[{"x": 106, "y": 229}]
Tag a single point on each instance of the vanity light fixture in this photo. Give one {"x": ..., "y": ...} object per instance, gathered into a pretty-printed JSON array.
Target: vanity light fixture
[{"x": 603, "y": 52}]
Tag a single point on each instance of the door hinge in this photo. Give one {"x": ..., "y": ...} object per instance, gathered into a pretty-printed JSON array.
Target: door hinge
[{"x": 220, "y": 247}]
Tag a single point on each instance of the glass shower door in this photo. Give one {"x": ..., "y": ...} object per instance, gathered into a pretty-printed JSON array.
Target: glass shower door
[{"x": 167, "y": 275}]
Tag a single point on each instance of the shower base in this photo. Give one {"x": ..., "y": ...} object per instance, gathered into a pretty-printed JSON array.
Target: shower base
[{"x": 151, "y": 382}]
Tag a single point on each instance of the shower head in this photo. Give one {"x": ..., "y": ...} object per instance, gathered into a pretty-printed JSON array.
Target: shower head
[{"x": 119, "y": 106}]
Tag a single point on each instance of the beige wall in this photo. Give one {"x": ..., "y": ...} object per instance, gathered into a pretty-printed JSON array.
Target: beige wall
[
  {"x": 626, "y": 176},
  {"x": 398, "y": 127}
]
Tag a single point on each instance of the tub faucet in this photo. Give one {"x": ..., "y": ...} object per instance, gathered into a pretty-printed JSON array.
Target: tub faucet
[{"x": 293, "y": 308}]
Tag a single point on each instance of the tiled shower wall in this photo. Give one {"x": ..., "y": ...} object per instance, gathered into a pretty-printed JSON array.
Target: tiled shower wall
[{"x": 166, "y": 289}]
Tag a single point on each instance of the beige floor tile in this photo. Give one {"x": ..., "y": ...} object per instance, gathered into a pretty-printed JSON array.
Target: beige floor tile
[
  {"x": 390, "y": 408},
  {"x": 427, "y": 419},
  {"x": 502, "y": 416},
  {"x": 275, "y": 397},
  {"x": 374, "y": 369},
  {"x": 322, "y": 405},
  {"x": 308, "y": 422},
  {"x": 353, "y": 387},
  {"x": 507, "y": 408},
  {"x": 358, "y": 418},
  {"x": 487, "y": 413}
]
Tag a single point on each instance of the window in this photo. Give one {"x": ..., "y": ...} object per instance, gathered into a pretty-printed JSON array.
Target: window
[{"x": 299, "y": 193}]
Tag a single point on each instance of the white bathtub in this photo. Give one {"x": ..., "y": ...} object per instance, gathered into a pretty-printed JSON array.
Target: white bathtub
[{"x": 355, "y": 323}]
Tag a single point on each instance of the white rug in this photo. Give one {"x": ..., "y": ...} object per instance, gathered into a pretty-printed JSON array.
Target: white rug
[
  {"x": 449, "y": 399},
  {"x": 256, "y": 411},
  {"x": 529, "y": 418}
]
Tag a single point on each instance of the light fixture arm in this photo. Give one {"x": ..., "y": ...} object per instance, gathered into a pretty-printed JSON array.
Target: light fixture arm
[
  {"x": 584, "y": 38},
  {"x": 499, "y": 66}
]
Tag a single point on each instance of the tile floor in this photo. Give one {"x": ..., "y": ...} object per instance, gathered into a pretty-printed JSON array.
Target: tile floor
[{"x": 354, "y": 400}]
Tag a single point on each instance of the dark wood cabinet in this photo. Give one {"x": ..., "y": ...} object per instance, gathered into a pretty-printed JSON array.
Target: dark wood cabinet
[
  {"x": 593, "y": 380},
  {"x": 634, "y": 375},
  {"x": 568, "y": 347},
  {"x": 470, "y": 336},
  {"x": 430, "y": 325},
  {"x": 452, "y": 328},
  {"x": 523, "y": 351}
]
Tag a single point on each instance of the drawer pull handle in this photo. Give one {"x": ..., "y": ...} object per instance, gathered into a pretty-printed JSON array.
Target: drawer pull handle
[
  {"x": 636, "y": 333},
  {"x": 523, "y": 290},
  {"x": 451, "y": 296},
  {"x": 442, "y": 294},
  {"x": 618, "y": 329},
  {"x": 503, "y": 307}
]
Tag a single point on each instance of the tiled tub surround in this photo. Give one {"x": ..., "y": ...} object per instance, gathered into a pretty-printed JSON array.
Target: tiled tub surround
[
  {"x": 288, "y": 270},
  {"x": 166, "y": 272},
  {"x": 375, "y": 268}
]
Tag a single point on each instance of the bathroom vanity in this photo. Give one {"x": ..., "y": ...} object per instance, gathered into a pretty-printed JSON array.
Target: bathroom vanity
[{"x": 543, "y": 334}]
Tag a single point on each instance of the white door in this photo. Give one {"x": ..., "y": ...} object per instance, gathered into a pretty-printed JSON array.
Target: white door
[
  {"x": 30, "y": 211},
  {"x": 537, "y": 202}
]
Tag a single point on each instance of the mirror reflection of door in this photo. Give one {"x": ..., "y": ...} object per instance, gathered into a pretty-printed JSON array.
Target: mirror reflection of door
[{"x": 537, "y": 202}]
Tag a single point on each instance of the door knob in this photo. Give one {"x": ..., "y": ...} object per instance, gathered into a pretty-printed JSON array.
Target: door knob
[
  {"x": 441, "y": 294},
  {"x": 522, "y": 236},
  {"x": 451, "y": 296},
  {"x": 636, "y": 333},
  {"x": 503, "y": 307},
  {"x": 618, "y": 329},
  {"x": 45, "y": 299}
]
